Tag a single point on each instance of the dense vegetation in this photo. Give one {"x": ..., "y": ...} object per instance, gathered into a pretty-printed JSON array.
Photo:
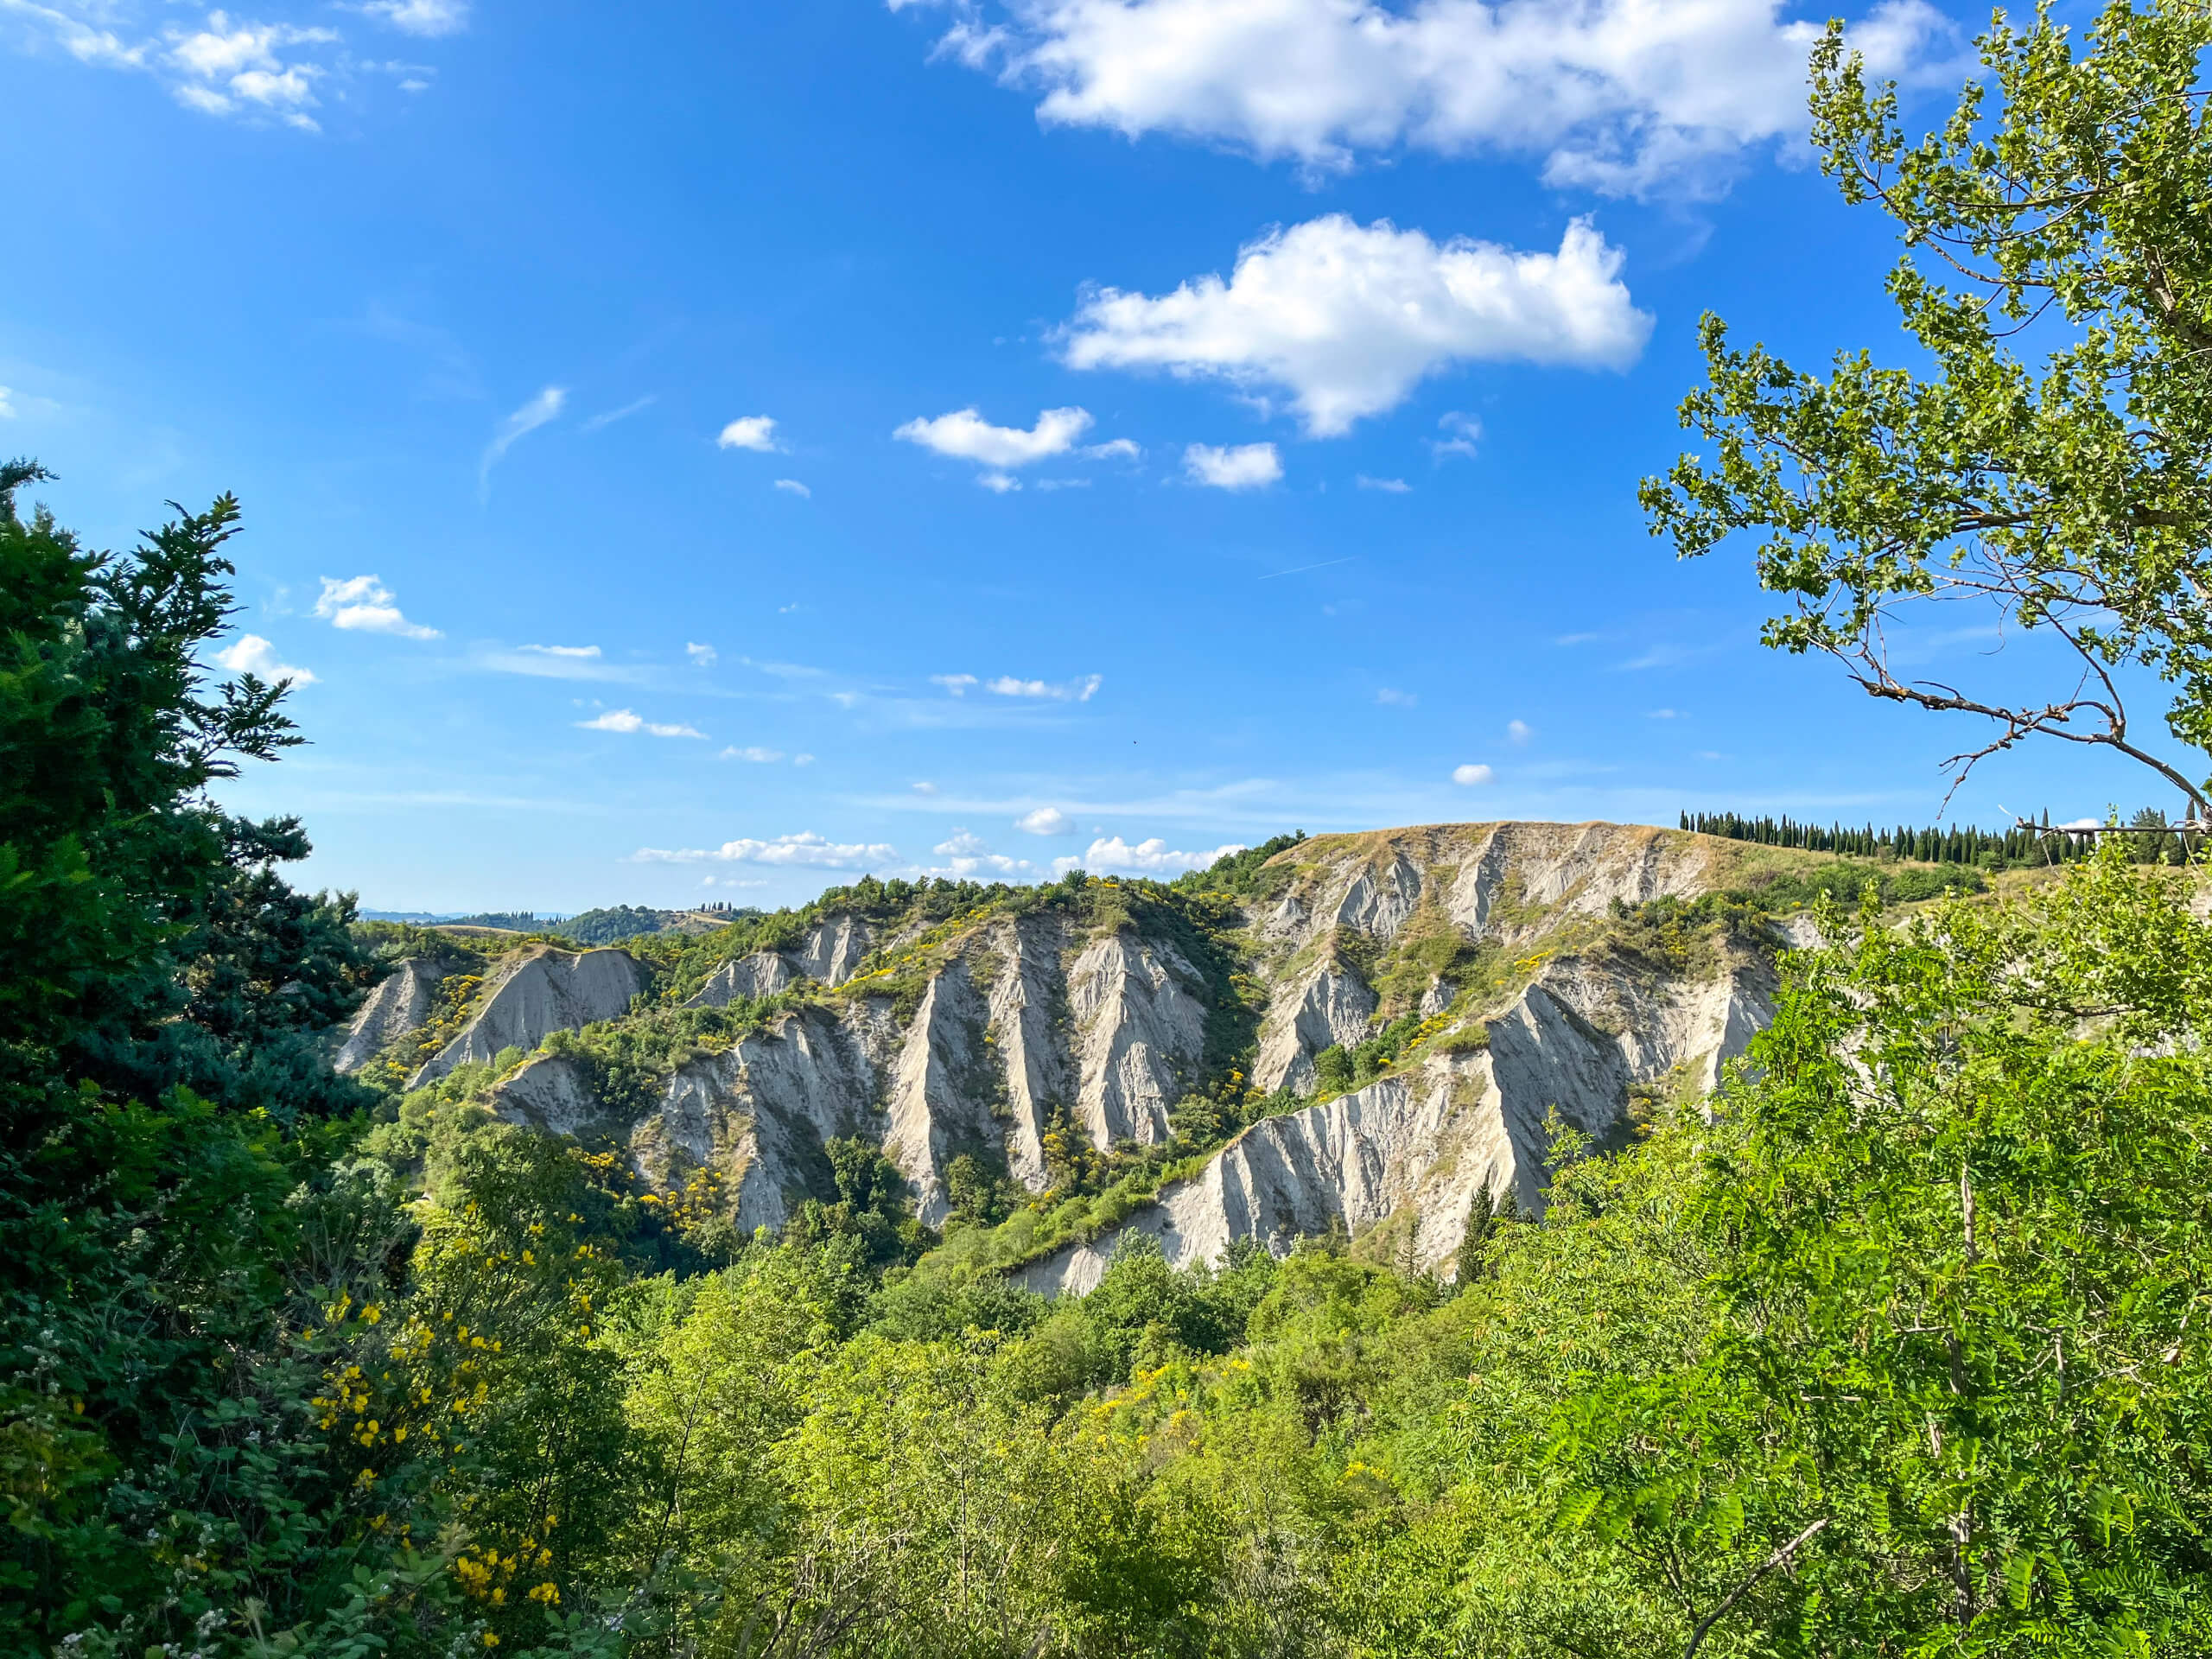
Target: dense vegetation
[{"x": 2148, "y": 840}]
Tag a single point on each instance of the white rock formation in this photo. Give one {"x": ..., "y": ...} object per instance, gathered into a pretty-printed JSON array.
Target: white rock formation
[
  {"x": 542, "y": 990},
  {"x": 1140, "y": 1037},
  {"x": 833, "y": 949},
  {"x": 762, "y": 974},
  {"x": 1028, "y": 1024},
  {"x": 402, "y": 1004},
  {"x": 549, "y": 1094},
  {"x": 1422, "y": 1143},
  {"x": 1335, "y": 1008}
]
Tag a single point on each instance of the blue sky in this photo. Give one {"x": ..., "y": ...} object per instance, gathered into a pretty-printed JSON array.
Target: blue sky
[{"x": 701, "y": 451}]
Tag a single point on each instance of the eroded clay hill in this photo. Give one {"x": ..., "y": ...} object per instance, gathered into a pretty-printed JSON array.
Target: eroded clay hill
[{"x": 1389, "y": 1022}]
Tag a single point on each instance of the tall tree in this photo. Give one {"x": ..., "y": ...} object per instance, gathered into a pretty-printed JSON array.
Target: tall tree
[{"x": 2072, "y": 493}]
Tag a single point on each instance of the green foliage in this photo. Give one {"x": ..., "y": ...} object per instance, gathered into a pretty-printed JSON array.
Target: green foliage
[{"x": 2073, "y": 497}]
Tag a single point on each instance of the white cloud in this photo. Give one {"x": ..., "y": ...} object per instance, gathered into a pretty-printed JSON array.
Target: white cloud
[
  {"x": 546, "y": 406},
  {"x": 606, "y": 418},
  {"x": 228, "y": 67},
  {"x": 956, "y": 684},
  {"x": 1149, "y": 857},
  {"x": 1471, "y": 774},
  {"x": 1079, "y": 690},
  {"x": 1518, "y": 731},
  {"x": 580, "y": 653},
  {"x": 961, "y": 844},
  {"x": 922, "y": 786},
  {"x": 1114, "y": 449},
  {"x": 1660, "y": 713},
  {"x": 758, "y": 756},
  {"x": 801, "y": 759},
  {"x": 425, "y": 17},
  {"x": 1623, "y": 96},
  {"x": 1387, "y": 486},
  {"x": 806, "y": 849},
  {"x": 1044, "y": 820},
  {"x": 702, "y": 655},
  {"x": 1349, "y": 318},
  {"x": 366, "y": 606},
  {"x": 251, "y": 654},
  {"x": 792, "y": 486},
  {"x": 999, "y": 483},
  {"x": 964, "y": 435},
  {"x": 1244, "y": 466},
  {"x": 621, "y": 720},
  {"x": 750, "y": 432},
  {"x": 1395, "y": 698},
  {"x": 1463, "y": 433},
  {"x": 7, "y": 408}
]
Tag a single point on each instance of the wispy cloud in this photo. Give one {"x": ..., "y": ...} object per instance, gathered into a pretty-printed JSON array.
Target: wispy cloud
[
  {"x": 579, "y": 653},
  {"x": 702, "y": 655},
  {"x": 758, "y": 757},
  {"x": 429, "y": 18},
  {"x": 621, "y": 720},
  {"x": 1390, "y": 696},
  {"x": 251, "y": 654},
  {"x": 599, "y": 421},
  {"x": 792, "y": 486},
  {"x": 805, "y": 849},
  {"x": 546, "y": 406},
  {"x": 365, "y": 605},
  {"x": 1387, "y": 486},
  {"x": 7, "y": 408},
  {"x": 1462, "y": 433}
]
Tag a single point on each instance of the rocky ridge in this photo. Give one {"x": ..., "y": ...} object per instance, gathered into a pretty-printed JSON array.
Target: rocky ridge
[{"x": 1493, "y": 951}]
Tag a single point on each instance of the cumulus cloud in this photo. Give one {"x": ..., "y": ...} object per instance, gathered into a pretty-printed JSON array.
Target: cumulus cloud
[
  {"x": 806, "y": 849},
  {"x": 758, "y": 757},
  {"x": 251, "y": 654},
  {"x": 1619, "y": 96},
  {"x": 366, "y": 606},
  {"x": 546, "y": 406},
  {"x": 1471, "y": 774},
  {"x": 429, "y": 18},
  {"x": 969, "y": 855},
  {"x": 1044, "y": 820},
  {"x": 956, "y": 684},
  {"x": 750, "y": 432},
  {"x": 702, "y": 655},
  {"x": 621, "y": 720},
  {"x": 1244, "y": 467},
  {"x": 1112, "y": 855},
  {"x": 964, "y": 435},
  {"x": 792, "y": 486},
  {"x": 1348, "y": 318},
  {"x": 229, "y": 67}
]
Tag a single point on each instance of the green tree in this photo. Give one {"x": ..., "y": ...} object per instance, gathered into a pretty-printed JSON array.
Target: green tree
[
  {"x": 2072, "y": 495},
  {"x": 174, "y": 1212}
]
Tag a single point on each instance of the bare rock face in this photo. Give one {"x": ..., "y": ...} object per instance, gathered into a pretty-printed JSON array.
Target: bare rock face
[
  {"x": 1421, "y": 1144},
  {"x": 1335, "y": 1008},
  {"x": 401, "y": 1004},
  {"x": 1029, "y": 1018},
  {"x": 833, "y": 949},
  {"x": 759, "y": 1115},
  {"x": 944, "y": 1090},
  {"x": 549, "y": 1094},
  {"x": 1141, "y": 1035},
  {"x": 762, "y": 974},
  {"x": 543, "y": 991}
]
